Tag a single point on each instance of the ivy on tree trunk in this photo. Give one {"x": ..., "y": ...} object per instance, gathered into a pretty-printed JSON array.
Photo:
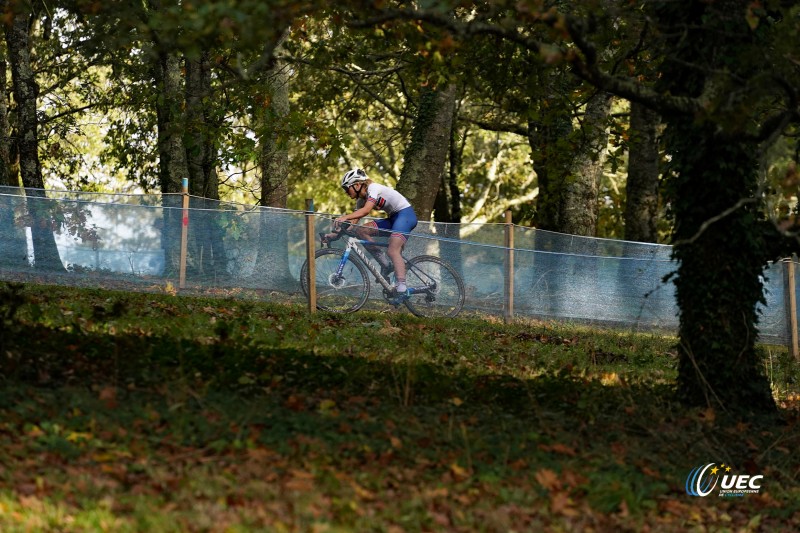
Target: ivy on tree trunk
[
  {"x": 427, "y": 153},
  {"x": 719, "y": 243}
]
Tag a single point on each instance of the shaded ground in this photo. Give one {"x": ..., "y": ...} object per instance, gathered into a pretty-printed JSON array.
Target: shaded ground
[{"x": 143, "y": 412}]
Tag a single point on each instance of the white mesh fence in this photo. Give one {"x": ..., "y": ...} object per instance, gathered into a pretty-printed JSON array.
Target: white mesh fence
[{"x": 133, "y": 242}]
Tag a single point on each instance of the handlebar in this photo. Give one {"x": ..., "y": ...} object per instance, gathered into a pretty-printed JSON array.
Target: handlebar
[{"x": 345, "y": 228}]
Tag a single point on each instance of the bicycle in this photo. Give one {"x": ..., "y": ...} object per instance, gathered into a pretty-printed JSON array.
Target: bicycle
[{"x": 435, "y": 289}]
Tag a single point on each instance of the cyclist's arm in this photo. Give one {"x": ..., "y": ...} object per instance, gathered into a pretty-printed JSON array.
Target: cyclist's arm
[{"x": 358, "y": 214}]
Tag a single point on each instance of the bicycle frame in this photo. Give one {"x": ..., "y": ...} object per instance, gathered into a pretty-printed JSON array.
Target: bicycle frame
[{"x": 353, "y": 247}]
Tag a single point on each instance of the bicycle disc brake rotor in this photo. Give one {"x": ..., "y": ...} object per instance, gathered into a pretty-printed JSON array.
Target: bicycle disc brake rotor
[
  {"x": 433, "y": 288},
  {"x": 336, "y": 281}
]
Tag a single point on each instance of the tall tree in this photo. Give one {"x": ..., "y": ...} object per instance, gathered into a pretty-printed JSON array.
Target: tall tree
[
  {"x": 171, "y": 148},
  {"x": 641, "y": 187},
  {"x": 714, "y": 173},
  {"x": 9, "y": 177},
  {"x": 580, "y": 203},
  {"x": 13, "y": 248},
  {"x": 717, "y": 112},
  {"x": 447, "y": 207},
  {"x": 201, "y": 142},
  {"x": 425, "y": 157},
  {"x": 200, "y": 127},
  {"x": 173, "y": 166},
  {"x": 272, "y": 110},
  {"x": 26, "y": 92},
  {"x": 551, "y": 137},
  {"x": 271, "y": 115}
]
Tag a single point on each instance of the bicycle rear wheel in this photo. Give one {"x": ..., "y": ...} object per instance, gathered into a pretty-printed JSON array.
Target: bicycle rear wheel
[
  {"x": 338, "y": 293},
  {"x": 439, "y": 290}
]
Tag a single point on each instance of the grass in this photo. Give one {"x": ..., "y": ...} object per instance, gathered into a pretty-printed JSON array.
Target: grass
[{"x": 143, "y": 412}]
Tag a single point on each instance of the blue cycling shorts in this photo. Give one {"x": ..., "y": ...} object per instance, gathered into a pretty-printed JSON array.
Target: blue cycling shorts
[{"x": 400, "y": 224}]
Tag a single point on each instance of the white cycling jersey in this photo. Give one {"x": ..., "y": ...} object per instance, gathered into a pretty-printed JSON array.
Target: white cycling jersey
[{"x": 385, "y": 198}]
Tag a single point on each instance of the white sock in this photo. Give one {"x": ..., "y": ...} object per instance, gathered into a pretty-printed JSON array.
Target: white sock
[{"x": 401, "y": 286}]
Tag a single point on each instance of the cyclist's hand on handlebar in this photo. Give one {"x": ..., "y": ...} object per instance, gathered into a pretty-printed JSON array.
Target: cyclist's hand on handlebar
[
  {"x": 342, "y": 224},
  {"x": 327, "y": 238}
]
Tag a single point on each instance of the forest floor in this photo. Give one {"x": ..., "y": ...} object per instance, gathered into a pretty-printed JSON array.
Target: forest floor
[{"x": 146, "y": 412}]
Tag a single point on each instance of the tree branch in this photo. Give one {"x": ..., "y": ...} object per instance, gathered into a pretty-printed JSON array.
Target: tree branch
[
  {"x": 584, "y": 64},
  {"x": 51, "y": 118},
  {"x": 502, "y": 127},
  {"x": 774, "y": 126},
  {"x": 716, "y": 218}
]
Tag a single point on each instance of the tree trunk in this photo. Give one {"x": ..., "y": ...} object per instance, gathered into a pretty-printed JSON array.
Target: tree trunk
[
  {"x": 568, "y": 162},
  {"x": 8, "y": 178},
  {"x": 273, "y": 138},
  {"x": 171, "y": 149},
  {"x": 172, "y": 155},
  {"x": 200, "y": 134},
  {"x": 719, "y": 281},
  {"x": 550, "y": 137},
  {"x": 580, "y": 206},
  {"x": 272, "y": 268},
  {"x": 641, "y": 189},
  {"x": 26, "y": 92},
  {"x": 13, "y": 248},
  {"x": 424, "y": 159},
  {"x": 447, "y": 208},
  {"x": 719, "y": 278},
  {"x": 201, "y": 161}
]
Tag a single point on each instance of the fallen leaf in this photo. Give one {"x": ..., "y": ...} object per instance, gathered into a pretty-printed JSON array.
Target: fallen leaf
[
  {"x": 458, "y": 471},
  {"x": 561, "y": 503},
  {"x": 108, "y": 395},
  {"x": 563, "y": 449},
  {"x": 548, "y": 479}
]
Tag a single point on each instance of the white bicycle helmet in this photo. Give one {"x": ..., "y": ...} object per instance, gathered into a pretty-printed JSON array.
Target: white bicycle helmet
[{"x": 352, "y": 177}]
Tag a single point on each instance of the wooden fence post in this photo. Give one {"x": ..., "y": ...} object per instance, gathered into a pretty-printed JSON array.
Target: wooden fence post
[
  {"x": 508, "y": 314},
  {"x": 184, "y": 233},
  {"x": 791, "y": 307},
  {"x": 311, "y": 282}
]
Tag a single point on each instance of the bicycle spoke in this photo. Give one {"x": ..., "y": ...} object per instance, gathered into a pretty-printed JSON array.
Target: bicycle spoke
[
  {"x": 341, "y": 293},
  {"x": 438, "y": 289}
]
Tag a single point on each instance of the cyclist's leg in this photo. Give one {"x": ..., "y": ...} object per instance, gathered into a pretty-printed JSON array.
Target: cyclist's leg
[
  {"x": 402, "y": 223},
  {"x": 367, "y": 232}
]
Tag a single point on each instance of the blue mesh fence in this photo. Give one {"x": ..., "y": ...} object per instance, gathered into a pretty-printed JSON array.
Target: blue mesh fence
[{"x": 133, "y": 242}]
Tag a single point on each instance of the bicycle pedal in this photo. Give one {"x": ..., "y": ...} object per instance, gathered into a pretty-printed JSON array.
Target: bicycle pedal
[{"x": 400, "y": 298}]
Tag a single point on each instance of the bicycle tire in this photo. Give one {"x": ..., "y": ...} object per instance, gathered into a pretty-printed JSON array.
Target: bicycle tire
[
  {"x": 345, "y": 294},
  {"x": 446, "y": 299}
]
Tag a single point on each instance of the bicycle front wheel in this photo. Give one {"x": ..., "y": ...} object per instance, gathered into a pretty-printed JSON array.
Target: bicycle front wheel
[
  {"x": 338, "y": 293},
  {"x": 437, "y": 288}
]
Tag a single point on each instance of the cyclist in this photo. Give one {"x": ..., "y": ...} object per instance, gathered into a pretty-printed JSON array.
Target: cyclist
[{"x": 400, "y": 221}]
